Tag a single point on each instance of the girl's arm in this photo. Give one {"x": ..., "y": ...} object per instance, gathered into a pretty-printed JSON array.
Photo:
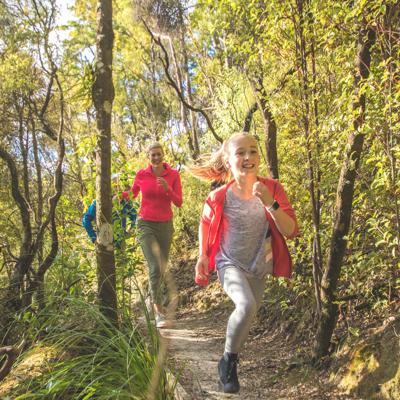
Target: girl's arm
[
  {"x": 285, "y": 224},
  {"x": 284, "y": 217},
  {"x": 201, "y": 269}
]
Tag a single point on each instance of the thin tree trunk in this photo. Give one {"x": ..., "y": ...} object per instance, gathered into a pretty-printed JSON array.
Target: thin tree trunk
[
  {"x": 38, "y": 167},
  {"x": 25, "y": 258},
  {"x": 183, "y": 109},
  {"x": 313, "y": 185},
  {"x": 193, "y": 116},
  {"x": 344, "y": 199},
  {"x": 270, "y": 129},
  {"x": 317, "y": 250},
  {"x": 103, "y": 97},
  {"x": 391, "y": 25},
  {"x": 24, "y": 147},
  {"x": 249, "y": 117},
  {"x": 11, "y": 353}
]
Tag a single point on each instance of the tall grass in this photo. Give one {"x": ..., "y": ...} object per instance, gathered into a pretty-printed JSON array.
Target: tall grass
[{"x": 97, "y": 360}]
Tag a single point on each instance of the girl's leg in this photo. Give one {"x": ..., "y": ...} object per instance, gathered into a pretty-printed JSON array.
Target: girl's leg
[
  {"x": 246, "y": 293},
  {"x": 257, "y": 286}
]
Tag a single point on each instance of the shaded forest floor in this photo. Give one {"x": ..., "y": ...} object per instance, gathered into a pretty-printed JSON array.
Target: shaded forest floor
[
  {"x": 269, "y": 367},
  {"x": 275, "y": 361},
  {"x": 272, "y": 364}
]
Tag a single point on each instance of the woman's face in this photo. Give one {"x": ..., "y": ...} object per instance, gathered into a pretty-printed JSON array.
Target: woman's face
[
  {"x": 243, "y": 156},
  {"x": 156, "y": 156}
]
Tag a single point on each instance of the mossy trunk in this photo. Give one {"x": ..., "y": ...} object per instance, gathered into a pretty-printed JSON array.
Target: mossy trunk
[
  {"x": 344, "y": 198},
  {"x": 103, "y": 97}
]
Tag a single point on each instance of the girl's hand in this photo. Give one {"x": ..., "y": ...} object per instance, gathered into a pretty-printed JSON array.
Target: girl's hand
[
  {"x": 261, "y": 191},
  {"x": 201, "y": 270},
  {"x": 161, "y": 181}
]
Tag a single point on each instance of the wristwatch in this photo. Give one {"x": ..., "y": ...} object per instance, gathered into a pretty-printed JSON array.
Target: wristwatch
[{"x": 274, "y": 206}]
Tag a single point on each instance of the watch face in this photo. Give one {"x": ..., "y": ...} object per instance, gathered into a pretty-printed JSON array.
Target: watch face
[{"x": 275, "y": 205}]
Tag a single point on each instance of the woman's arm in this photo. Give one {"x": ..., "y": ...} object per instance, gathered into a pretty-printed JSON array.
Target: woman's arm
[
  {"x": 175, "y": 192},
  {"x": 135, "y": 187}
]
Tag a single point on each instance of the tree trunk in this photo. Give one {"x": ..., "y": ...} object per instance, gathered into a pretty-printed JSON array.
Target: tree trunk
[
  {"x": 269, "y": 126},
  {"x": 249, "y": 117},
  {"x": 25, "y": 258},
  {"x": 193, "y": 116},
  {"x": 183, "y": 108},
  {"x": 103, "y": 96},
  {"x": 11, "y": 353},
  {"x": 344, "y": 198},
  {"x": 303, "y": 9}
]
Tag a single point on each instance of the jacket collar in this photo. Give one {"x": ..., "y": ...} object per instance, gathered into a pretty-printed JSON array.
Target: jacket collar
[
  {"x": 221, "y": 191},
  {"x": 149, "y": 169}
]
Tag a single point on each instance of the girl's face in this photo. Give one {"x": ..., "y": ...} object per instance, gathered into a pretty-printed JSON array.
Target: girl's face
[
  {"x": 156, "y": 156},
  {"x": 243, "y": 157}
]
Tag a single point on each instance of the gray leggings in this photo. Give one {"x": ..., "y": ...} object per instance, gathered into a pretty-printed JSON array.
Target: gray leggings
[
  {"x": 155, "y": 239},
  {"x": 246, "y": 292}
]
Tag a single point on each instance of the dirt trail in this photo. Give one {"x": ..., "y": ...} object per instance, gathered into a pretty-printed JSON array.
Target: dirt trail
[{"x": 268, "y": 368}]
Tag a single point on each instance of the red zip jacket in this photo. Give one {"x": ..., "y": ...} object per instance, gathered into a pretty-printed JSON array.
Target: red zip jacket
[
  {"x": 156, "y": 201},
  {"x": 212, "y": 216}
]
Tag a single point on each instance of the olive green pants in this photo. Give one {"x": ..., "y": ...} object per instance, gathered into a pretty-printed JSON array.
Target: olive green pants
[{"x": 155, "y": 239}]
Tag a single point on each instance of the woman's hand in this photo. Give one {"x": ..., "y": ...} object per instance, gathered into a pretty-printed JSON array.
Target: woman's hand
[
  {"x": 161, "y": 181},
  {"x": 261, "y": 191},
  {"x": 201, "y": 270}
]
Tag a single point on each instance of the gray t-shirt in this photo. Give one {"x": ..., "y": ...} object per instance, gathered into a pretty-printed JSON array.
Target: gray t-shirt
[{"x": 243, "y": 241}]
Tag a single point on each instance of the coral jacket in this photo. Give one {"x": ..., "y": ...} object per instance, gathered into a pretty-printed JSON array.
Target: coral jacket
[
  {"x": 156, "y": 201},
  {"x": 212, "y": 216}
]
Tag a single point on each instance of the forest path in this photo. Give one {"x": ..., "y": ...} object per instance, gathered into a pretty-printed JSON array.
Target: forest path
[{"x": 268, "y": 367}]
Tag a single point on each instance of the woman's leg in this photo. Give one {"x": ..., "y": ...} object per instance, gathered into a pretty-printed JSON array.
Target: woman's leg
[
  {"x": 164, "y": 237},
  {"x": 246, "y": 293},
  {"x": 152, "y": 253},
  {"x": 155, "y": 239}
]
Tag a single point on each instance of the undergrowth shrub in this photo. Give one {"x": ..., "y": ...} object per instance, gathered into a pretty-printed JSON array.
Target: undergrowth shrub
[{"x": 95, "y": 360}]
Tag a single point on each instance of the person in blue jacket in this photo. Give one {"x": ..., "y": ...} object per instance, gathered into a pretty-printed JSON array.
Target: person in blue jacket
[{"x": 126, "y": 209}]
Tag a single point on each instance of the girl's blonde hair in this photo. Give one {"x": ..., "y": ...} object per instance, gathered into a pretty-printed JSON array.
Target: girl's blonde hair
[{"x": 212, "y": 167}]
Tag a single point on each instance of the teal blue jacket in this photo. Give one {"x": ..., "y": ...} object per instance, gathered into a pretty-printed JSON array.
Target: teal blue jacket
[{"x": 127, "y": 209}]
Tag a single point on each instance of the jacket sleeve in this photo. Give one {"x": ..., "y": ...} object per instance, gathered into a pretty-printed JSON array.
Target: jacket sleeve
[
  {"x": 136, "y": 187},
  {"x": 131, "y": 212},
  {"x": 175, "y": 192},
  {"x": 87, "y": 221},
  {"x": 204, "y": 228},
  {"x": 281, "y": 198}
]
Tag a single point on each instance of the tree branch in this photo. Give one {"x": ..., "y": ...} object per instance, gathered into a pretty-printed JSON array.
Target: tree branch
[{"x": 165, "y": 62}]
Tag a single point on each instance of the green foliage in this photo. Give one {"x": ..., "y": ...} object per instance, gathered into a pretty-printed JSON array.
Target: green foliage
[
  {"x": 94, "y": 359},
  {"x": 186, "y": 219},
  {"x": 226, "y": 43}
]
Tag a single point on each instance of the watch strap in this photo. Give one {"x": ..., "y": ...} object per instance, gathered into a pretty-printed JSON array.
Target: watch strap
[{"x": 274, "y": 206}]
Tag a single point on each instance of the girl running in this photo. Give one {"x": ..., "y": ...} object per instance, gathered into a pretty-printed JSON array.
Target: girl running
[{"x": 241, "y": 234}]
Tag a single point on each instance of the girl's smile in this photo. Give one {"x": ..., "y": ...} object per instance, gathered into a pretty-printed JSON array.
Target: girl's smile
[{"x": 243, "y": 156}]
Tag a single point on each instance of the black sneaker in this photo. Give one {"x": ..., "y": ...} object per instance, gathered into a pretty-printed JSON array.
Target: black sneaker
[{"x": 227, "y": 369}]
